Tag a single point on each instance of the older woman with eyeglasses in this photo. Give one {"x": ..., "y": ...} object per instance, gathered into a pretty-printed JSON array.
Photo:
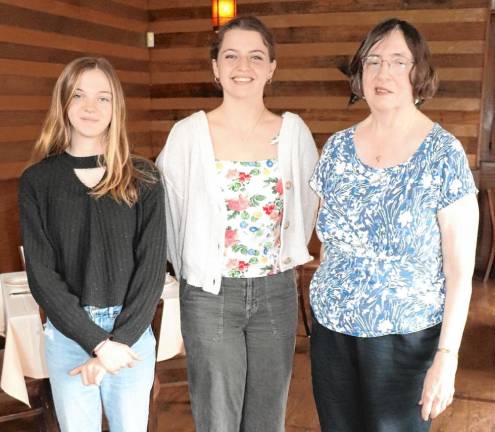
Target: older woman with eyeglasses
[{"x": 398, "y": 222}]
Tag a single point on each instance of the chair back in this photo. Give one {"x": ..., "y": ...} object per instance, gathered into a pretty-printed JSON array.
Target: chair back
[
  {"x": 156, "y": 323},
  {"x": 491, "y": 207}
]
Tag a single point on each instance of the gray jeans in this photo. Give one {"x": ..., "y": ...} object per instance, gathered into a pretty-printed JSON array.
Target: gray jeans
[{"x": 240, "y": 346}]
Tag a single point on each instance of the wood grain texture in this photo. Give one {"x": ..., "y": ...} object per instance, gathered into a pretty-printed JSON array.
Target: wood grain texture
[
  {"x": 39, "y": 37},
  {"x": 20, "y": 17},
  {"x": 369, "y": 18},
  {"x": 19, "y": 51},
  {"x": 472, "y": 409},
  {"x": 315, "y": 41},
  {"x": 140, "y": 4},
  {"x": 310, "y": 7},
  {"x": 9, "y": 225},
  {"x": 80, "y": 45},
  {"x": 487, "y": 126},
  {"x": 297, "y": 103},
  {"x": 52, "y": 70},
  {"x": 326, "y": 33},
  {"x": 307, "y": 74},
  {"x": 132, "y": 9},
  {"x": 112, "y": 18},
  {"x": 202, "y": 66},
  {"x": 290, "y": 50},
  {"x": 449, "y": 89}
]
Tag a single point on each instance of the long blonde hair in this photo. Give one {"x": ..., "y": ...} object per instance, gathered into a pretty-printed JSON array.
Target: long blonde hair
[{"x": 122, "y": 175}]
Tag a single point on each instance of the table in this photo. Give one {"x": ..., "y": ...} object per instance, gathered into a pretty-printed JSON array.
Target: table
[{"x": 24, "y": 343}]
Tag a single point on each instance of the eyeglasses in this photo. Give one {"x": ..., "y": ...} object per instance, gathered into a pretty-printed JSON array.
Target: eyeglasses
[{"x": 396, "y": 66}]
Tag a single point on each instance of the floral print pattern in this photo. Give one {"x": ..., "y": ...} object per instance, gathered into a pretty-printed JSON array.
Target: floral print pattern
[
  {"x": 382, "y": 269},
  {"x": 254, "y": 198}
]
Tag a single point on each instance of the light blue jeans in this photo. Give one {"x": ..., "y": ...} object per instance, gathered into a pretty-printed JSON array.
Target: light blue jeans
[{"x": 124, "y": 396}]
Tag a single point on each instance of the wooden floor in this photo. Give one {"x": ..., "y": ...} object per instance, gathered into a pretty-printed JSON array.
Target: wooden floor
[{"x": 473, "y": 409}]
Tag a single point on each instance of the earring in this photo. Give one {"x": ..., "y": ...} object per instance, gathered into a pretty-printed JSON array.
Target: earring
[
  {"x": 417, "y": 101},
  {"x": 217, "y": 80},
  {"x": 269, "y": 80}
]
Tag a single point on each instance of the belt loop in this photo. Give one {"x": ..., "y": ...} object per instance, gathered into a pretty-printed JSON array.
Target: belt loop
[{"x": 89, "y": 311}]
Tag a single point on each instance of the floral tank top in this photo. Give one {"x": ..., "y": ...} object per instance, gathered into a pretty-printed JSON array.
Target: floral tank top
[{"x": 253, "y": 195}]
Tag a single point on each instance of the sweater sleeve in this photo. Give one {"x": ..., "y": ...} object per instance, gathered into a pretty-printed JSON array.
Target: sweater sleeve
[
  {"x": 150, "y": 260},
  {"x": 172, "y": 164},
  {"x": 47, "y": 285},
  {"x": 308, "y": 157}
]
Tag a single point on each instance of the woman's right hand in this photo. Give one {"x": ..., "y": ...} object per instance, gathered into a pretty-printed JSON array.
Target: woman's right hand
[
  {"x": 92, "y": 372},
  {"x": 114, "y": 356}
]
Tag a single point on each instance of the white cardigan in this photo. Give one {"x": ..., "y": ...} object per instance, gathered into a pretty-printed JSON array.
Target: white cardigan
[{"x": 196, "y": 214}]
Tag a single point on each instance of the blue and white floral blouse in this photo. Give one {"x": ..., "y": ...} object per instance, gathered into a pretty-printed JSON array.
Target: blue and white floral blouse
[{"x": 382, "y": 269}]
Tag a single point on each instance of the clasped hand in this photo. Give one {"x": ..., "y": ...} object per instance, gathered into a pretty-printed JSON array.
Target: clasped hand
[
  {"x": 111, "y": 357},
  {"x": 92, "y": 372}
]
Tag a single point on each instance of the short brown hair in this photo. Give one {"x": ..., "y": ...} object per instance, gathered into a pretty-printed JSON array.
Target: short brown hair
[
  {"x": 423, "y": 77},
  {"x": 250, "y": 23}
]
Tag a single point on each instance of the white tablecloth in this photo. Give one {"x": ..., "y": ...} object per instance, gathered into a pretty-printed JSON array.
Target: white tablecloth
[{"x": 24, "y": 344}]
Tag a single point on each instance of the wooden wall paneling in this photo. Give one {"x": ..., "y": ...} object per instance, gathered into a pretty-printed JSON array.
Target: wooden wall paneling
[
  {"x": 161, "y": 4},
  {"x": 36, "y": 44},
  {"x": 301, "y": 74},
  {"x": 487, "y": 180},
  {"x": 80, "y": 45},
  {"x": 463, "y": 89},
  {"x": 140, "y": 4},
  {"x": 486, "y": 142},
  {"x": 186, "y": 11},
  {"x": 9, "y": 226},
  {"x": 37, "y": 39},
  {"x": 315, "y": 40},
  {"x": 135, "y": 21},
  {"x": 487, "y": 129},
  {"x": 132, "y": 9},
  {"x": 369, "y": 18},
  {"x": 325, "y": 33},
  {"x": 310, "y": 51},
  {"x": 19, "y": 17},
  {"x": 15, "y": 50}
]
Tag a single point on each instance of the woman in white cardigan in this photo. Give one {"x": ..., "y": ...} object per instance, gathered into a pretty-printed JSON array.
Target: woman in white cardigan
[{"x": 240, "y": 214}]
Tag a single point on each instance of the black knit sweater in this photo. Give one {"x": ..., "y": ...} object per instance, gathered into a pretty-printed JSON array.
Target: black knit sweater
[{"x": 84, "y": 251}]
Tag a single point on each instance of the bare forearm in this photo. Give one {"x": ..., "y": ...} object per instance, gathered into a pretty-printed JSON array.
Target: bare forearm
[
  {"x": 459, "y": 227},
  {"x": 458, "y": 295}
]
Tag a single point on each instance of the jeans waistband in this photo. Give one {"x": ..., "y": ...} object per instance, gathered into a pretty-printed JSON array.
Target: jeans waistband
[
  {"x": 106, "y": 312},
  {"x": 274, "y": 276}
]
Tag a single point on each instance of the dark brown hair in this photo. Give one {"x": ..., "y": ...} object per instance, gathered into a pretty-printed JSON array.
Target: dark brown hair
[
  {"x": 250, "y": 23},
  {"x": 423, "y": 77}
]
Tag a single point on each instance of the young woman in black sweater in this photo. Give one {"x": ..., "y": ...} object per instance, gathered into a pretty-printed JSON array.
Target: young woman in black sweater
[{"x": 92, "y": 218}]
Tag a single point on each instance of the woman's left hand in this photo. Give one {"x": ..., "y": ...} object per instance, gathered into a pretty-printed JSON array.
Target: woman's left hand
[
  {"x": 92, "y": 372},
  {"x": 438, "y": 386}
]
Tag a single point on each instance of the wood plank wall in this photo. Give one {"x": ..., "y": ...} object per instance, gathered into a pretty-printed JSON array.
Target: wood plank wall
[
  {"x": 487, "y": 147},
  {"x": 37, "y": 38},
  {"x": 315, "y": 38}
]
